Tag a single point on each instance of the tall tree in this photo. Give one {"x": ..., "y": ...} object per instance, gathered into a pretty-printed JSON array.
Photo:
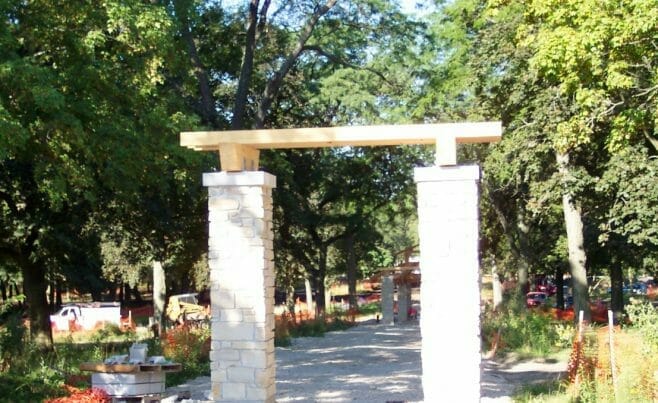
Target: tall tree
[{"x": 79, "y": 90}]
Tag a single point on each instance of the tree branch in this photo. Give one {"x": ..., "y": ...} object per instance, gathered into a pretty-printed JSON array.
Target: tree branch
[
  {"x": 339, "y": 60},
  {"x": 246, "y": 69},
  {"x": 274, "y": 84}
]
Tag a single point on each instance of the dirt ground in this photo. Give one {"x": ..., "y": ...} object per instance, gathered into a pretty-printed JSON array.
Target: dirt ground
[{"x": 373, "y": 363}]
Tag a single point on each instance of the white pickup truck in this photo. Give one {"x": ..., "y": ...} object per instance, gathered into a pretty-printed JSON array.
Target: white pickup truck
[{"x": 86, "y": 316}]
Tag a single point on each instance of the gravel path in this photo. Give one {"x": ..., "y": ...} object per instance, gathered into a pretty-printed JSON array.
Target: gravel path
[{"x": 371, "y": 363}]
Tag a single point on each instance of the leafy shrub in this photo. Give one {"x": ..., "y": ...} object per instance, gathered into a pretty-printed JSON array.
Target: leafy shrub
[
  {"x": 12, "y": 335},
  {"x": 370, "y": 308},
  {"x": 527, "y": 332},
  {"x": 190, "y": 347},
  {"x": 309, "y": 328},
  {"x": 282, "y": 336},
  {"x": 285, "y": 329},
  {"x": 644, "y": 318}
]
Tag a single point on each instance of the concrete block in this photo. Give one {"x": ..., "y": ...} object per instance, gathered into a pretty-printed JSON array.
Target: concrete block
[{"x": 132, "y": 384}]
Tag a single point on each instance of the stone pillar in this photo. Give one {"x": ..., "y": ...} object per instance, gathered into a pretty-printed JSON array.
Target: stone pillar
[
  {"x": 388, "y": 291},
  {"x": 450, "y": 283},
  {"x": 404, "y": 302},
  {"x": 241, "y": 263}
]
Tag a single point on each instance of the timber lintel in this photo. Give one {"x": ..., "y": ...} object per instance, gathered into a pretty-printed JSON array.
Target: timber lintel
[{"x": 238, "y": 149}]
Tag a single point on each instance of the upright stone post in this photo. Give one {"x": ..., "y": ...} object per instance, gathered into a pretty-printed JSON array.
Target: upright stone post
[
  {"x": 388, "y": 291},
  {"x": 242, "y": 285},
  {"x": 450, "y": 283},
  {"x": 404, "y": 302}
]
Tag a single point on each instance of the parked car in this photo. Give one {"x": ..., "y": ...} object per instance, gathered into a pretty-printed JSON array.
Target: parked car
[
  {"x": 86, "y": 316},
  {"x": 545, "y": 285},
  {"x": 535, "y": 298}
]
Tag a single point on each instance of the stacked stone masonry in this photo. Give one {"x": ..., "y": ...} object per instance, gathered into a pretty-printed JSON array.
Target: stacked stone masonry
[{"x": 240, "y": 257}]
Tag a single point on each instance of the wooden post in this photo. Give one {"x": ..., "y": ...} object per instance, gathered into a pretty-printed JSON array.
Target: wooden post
[{"x": 613, "y": 370}]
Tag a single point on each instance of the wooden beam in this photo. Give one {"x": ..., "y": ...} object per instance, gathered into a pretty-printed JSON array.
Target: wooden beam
[
  {"x": 239, "y": 149},
  {"x": 481, "y": 132},
  {"x": 237, "y": 157},
  {"x": 446, "y": 151}
]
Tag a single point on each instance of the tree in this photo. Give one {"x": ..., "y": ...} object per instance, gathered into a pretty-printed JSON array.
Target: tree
[{"x": 78, "y": 85}]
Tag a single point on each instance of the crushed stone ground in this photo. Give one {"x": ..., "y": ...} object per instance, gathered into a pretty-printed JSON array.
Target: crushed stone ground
[{"x": 371, "y": 363}]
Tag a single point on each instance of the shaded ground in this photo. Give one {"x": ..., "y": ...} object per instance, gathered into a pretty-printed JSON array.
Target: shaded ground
[{"x": 373, "y": 363}]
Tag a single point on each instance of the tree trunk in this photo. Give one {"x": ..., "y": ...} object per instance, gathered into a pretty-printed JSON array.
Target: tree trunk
[
  {"x": 309, "y": 295},
  {"x": 34, "y": 283},
  {"x": 559, "y": 284},
  {"x": 290, "y": 300},
  {"x": 351, "y": 270},
  {"x": 159, "y": 291},
  {"x": 3, "y": 290},
  {"x": 617, "y": 295},
  {"x": 320, "y": 303},
  {"x": 51, "y": 292},
  {"x": 518, "y": 246},
  {"x": 58, "y": 293},
  {"x": 523, "y": 231},
  {"x": 575, "y": 239},
  {"x": 135, "y": 293},
  {"x": 246, "y": 69},
  {"x": 496, "y": 285}
]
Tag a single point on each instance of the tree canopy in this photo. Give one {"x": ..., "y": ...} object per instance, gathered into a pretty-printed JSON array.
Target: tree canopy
[{"x": 92, "y": 98}]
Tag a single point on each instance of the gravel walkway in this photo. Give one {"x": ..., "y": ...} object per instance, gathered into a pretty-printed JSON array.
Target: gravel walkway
[{"x": 370, "y": 363}]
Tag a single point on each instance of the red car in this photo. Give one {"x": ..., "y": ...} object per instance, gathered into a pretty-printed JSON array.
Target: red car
[{"x": 535, "y": 298}]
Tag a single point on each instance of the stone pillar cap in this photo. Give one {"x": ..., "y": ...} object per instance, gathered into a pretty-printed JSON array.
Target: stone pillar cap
[{"x": 241, "y": 178}]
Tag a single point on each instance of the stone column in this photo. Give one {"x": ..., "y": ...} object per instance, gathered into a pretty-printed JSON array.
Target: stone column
[
  {"x": 241, "y": 264},
  {"x": 404, "y": 302},
  {"x": 450, "y": 282},
  {"x": 388, "y": 291}
]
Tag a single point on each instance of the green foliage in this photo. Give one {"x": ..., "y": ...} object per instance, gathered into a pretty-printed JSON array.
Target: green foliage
[
  {"x": 370, "y": 308},
  {"x": 527, "y": 332},
  {"x": 34, "y": 386},
  {"x": 318, "y": 327},
  {"x": 189, "y": 347},
  {"x": 634, "y": 215},
  {"x": 12, "y": 335},
  {"x": 644, "y": 317},
  {"x": 548, "y": 392}
]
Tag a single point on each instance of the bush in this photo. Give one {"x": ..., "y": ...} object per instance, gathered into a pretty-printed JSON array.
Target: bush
[
  {"x": 644, "y": 318},
  {"x": 190, "y": 347},
  {"x": 12, "y": 336},
  {"x": 527, "y": 332},
  {"x": 285, "y": 330}
]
